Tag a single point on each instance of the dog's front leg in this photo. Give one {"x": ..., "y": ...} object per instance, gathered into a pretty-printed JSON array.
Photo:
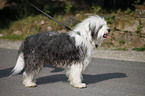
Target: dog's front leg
[{"x": 74, "y": 74}]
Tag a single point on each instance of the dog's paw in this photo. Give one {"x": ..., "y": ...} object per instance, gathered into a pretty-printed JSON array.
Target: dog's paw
[
  {"x": 30, "y": 84},
  {"x": 80, "y": 85}
]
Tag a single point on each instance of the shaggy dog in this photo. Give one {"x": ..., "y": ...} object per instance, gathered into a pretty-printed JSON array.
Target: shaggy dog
[{"x": 72, "y": 50}]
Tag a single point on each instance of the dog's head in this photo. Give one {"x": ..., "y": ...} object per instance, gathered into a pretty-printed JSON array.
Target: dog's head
[{"x": 98, "y": 29}]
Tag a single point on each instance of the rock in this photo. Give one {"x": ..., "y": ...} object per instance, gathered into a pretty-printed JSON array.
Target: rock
[
  {"x": 42, "y": 22},
  {"x": 17, "y": 32},
  {"x": 143, "y": 24},
  {"x": 126, "y": 23},
  {"x": 62, "y": 31},
  {"x": 1, "y": 35},
  {"x": 70, "y": 21},
  {"x": 49, "y": 28},
  {"x": 140, "y": 12}
]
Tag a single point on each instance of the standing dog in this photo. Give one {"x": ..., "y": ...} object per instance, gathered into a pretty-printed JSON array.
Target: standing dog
[{"x": 72, "y": 50}]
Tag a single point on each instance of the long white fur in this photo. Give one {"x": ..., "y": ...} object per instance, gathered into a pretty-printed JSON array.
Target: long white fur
[
  {"x": 19, "y": 65},
  {"x": 28, "y": 80},
  {"x": 74, "y": 74},
  {"x": 85, "y": 38}
]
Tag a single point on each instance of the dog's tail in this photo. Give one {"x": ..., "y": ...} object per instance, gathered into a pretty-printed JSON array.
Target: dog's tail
[{"x": 19, "y": 65}]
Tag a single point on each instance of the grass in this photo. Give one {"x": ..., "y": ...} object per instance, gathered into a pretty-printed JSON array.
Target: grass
[
  {"x": 125, "y": 49},
  {"x": 139, "y": 49},
  {"x": 121, "y": 42},
  {"x": 13, "y": 37},
  {"x": 121, "y": 49}
]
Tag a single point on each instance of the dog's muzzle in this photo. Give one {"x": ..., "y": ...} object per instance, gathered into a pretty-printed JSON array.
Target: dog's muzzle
[{"x": 106, "y": 36}]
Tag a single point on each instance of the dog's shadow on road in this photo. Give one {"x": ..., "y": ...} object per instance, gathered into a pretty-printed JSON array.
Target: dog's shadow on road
[
  {"x": 88, "y": 79},
  {"x": 8, "y": 71},
  {"x": 91, "y": 79},
  {"x": 5, "y": 72}
]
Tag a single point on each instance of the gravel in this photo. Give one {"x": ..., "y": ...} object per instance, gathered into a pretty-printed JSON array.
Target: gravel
[
  {"x": 98, "y": 53},
  {"x": 120, "y": 55}
]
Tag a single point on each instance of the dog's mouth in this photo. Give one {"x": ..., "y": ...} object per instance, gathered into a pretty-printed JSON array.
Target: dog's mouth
[{"x": 106, "y": 36}]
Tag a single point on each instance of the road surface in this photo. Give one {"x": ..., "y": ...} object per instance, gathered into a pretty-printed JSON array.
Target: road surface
[{"x": 104, "y": 77}]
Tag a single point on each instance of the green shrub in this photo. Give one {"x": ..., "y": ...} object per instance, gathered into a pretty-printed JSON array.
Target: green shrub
[
  {"x": 128, "y": 11},
  {"x": 46, "y": 9},
  {"x": 68, "y": 8},
  {"x": 96, "y": 9}
]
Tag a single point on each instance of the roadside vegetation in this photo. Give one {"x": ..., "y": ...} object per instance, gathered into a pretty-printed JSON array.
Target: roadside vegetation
[{"x": 28, "y": 20}]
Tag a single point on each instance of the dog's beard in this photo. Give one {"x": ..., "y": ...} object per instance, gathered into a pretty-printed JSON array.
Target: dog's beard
[{"x": 99, "y": 41}]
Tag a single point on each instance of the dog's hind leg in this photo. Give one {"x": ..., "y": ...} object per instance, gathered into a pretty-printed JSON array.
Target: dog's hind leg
[
  {"x": 32, "y": 68},
  {"x": 28, "y": 79},
  {"x": 28, "y": 76},
  {"x": 74, "y": 73}
]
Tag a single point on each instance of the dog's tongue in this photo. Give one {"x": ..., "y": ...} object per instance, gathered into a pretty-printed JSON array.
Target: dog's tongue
[{"x": 107, "y": 37}]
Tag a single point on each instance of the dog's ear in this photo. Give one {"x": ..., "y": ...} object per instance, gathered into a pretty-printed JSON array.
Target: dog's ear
[
  {"x": 91, "y": 29},
  {"x": 99, "y": 28},
  {"x": 88, "y": 27},
  {"x": 94, "y": 33}
]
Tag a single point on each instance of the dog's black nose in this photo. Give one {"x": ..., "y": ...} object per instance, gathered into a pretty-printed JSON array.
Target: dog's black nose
[
  {"x": 108, "y": 30},
  {"x": 96, "y": 45}
]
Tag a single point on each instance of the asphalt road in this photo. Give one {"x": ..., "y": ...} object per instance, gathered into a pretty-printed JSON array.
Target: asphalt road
[{"x": 103, "y": 77}]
